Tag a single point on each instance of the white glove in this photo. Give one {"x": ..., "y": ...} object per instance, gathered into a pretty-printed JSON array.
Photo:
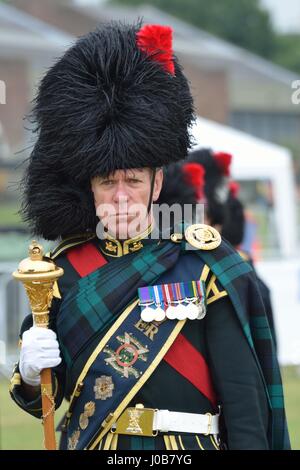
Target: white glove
[{"x": 39, "y": 350}]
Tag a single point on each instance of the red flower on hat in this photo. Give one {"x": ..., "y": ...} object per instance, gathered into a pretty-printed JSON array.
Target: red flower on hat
[
  {"x": 156, "y": 40},
  {"x": 223, "y": 161},
  {"x": 194, "y": 174}
]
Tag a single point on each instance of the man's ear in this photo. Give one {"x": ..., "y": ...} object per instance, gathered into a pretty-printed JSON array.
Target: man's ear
[
  {"x": 158, "y": 182},
  {"x": 92, "y": 186}
]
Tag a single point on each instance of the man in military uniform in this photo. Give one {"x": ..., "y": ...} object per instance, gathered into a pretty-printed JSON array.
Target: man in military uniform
[{"x": 156, "y": 343}]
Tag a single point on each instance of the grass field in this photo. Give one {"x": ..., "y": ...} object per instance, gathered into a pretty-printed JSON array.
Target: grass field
[
  {"x": 19, "y": 430},
  {"x": 291, "y": 382},
  {"x": 9, "y": 214}
]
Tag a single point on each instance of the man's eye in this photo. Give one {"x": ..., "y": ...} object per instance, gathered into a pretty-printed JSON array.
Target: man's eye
[
  {"x": 133, "y": 180},
  {"x": 107, "y": 182}
]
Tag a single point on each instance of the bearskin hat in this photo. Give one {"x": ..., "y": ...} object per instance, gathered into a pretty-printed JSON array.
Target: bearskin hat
[
  {"x": 216, "y": 166},
  {"x": 117, "y": 99},
  {"x": 183, "y": 184},
  {"x": 176, "y": 188}
]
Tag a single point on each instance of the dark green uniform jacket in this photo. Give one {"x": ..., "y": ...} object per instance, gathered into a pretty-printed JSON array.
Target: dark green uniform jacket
[
  {"x": 239, "y": 384},
  {"x": 266, "y": 296}
]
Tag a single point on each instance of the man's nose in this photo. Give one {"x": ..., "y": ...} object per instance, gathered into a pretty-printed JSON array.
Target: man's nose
[{"x": 121, "y": 194}]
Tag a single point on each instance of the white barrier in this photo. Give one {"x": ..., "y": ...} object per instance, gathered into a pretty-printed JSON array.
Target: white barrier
[{"x": 13, "y": 309}]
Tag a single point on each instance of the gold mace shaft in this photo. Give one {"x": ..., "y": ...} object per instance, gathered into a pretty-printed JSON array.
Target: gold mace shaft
[{"x": 38, "y": 275}]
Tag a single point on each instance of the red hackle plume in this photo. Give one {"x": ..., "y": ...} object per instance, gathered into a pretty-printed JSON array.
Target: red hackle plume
[
  {"x": 156, "y": 40},
  {"x": 194, "y": 174},
  {"x": 234, "y": 188},
  {"x": 223, "y": 161}
]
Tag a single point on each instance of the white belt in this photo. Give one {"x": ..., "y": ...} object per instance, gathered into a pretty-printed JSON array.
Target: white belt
[
  {"x": 172, "y": 421},
  {"x": 148, "y": 422}
]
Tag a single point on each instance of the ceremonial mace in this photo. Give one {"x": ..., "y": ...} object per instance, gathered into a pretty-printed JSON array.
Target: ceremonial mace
[{"x": 38, "y": 276}]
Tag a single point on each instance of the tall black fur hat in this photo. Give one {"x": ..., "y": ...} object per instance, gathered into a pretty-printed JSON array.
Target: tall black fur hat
[
  {"x": 117, "y": 99},
  {"x": 216, "y": 166}
]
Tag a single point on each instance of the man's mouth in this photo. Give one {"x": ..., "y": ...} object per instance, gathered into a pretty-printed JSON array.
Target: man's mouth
[{"x": 127, "y": 214}]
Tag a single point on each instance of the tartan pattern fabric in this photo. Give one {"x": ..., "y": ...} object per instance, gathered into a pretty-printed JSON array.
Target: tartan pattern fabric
[
  {"x": 97, "y": 299},
  {"x": 239, "y": 280}
]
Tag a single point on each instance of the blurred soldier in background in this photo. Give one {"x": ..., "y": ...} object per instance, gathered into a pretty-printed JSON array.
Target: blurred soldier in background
[
  {"x": 233, "y": 231},
  {"x": 204, "y": 178},
  {"x": 226, "y": 212}
]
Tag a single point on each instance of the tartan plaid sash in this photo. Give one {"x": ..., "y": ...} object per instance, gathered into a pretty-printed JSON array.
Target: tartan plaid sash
[
  {"x": 98, "y": 298},
  {"x": 239, "y": 280},
  {"x": 123, "y": 361},
  {"x": 106, "y": 292}
]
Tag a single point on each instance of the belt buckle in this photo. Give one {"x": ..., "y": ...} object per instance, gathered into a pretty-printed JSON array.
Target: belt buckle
[
  {"x": 209, "y": 426},
  {"x": 136, "y": 421}
]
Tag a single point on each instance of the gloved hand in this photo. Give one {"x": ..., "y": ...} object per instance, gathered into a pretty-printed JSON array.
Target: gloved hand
[{"x": 39, "y": 350}]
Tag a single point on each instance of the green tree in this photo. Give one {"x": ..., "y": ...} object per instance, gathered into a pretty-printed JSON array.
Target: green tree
[
  {"x": 287, "y": 51},
  {"x": 242, "y": 22}
]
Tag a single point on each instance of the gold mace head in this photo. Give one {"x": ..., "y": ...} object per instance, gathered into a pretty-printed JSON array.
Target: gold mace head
[{"x": 38, "y": 275}]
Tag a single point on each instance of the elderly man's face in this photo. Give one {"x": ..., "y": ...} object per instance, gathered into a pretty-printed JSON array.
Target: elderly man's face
[{"x": 121, "y": 200}]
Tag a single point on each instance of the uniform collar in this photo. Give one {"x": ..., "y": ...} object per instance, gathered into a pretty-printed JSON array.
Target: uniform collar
[{"x": 117, "y": 248}]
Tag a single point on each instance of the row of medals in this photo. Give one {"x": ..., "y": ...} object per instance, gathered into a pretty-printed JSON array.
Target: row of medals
[{"x": 183, "y": 310}]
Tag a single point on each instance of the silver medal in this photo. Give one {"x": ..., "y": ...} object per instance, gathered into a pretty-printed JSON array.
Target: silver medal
[
  {"x": 181, "y": 312},
  {"x": 192, "y": 311},
  {"x": 171, "y": 313},
  {"x": 148, "y": 314},
  {"x": 160, "y": 314},
  {"x": 201, "y": 311}
]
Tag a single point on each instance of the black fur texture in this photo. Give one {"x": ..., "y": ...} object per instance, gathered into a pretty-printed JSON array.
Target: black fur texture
[
  {"x": 176, "y": 189},
  {"x": 104, "y": 105}
]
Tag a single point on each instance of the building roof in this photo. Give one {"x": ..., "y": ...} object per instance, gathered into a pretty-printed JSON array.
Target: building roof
[
  {"x": 212, "y": 52},
  {"x": 21, "y": 33}
]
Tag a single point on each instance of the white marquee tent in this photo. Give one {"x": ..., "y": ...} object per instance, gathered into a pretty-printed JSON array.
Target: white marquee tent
[{"x": 256, "y": 159}]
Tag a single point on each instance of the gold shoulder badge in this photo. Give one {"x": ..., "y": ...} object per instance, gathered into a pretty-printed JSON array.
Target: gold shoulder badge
[{"x": 203, "y": 237}]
